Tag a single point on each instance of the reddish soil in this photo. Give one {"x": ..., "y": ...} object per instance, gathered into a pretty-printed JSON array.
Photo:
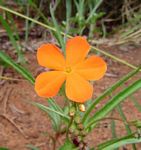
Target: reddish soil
[{"x": 23, "y": 123}]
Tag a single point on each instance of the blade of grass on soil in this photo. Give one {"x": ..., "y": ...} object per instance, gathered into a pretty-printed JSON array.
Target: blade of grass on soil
[
  {"x": 56, "y": 25},
  {"x": 117, "y": 143},
  {"x": 27, "y": 75},
  {"x": 46, "y": 109},
  {"x": 108, "y": 92},
  {"x": 127, "y": 127},
  {"x": 12, "y": 39},
  {"x": 110, "y": 105},
  {"x": 24, "y": 72}
]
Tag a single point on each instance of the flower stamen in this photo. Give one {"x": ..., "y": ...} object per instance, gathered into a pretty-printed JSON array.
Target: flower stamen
[{"x": 68, "y": 70}]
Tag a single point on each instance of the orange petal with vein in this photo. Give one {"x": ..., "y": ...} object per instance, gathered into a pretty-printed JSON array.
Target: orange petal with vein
[
  {"x": 93, "y": 68},
  {"x": 50, "y": 56},
  {"x": 78, "y": 89},
  {"x": 47, "y": 84},
  {"x": 76, "y": 50}
]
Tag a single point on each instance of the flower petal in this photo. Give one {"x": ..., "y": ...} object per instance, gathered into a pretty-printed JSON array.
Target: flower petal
[
  {"x": 93, "y": 68},
  {"x": 76, "y": 50},
  {"x": 50, "y": 56},
  {"x": 47, "y": 84},
  {"x": 78, "y": 89}
]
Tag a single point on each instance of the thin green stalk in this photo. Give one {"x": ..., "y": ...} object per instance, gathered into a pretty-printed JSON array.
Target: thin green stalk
[
  {"x": 129, "y": 131},
  {"x": 113, "y": 128},
  {"x": 59, "y": 36},
  {"x": 69, "y": 125},
  {"x": 114, "y": 57},
  {"x": 27, "y": 23},
  {"x": 73, "y": 104},
  {"x": 117, "y": 143},
  {"x": 108, "y": 92},
  {"x": 39, "y": 11},
  {"x": 136, "y": 103},
  {"x": 68, "y": 14},
  {"x": 94, "y": 10},
  {"x": 12, "y": 39},
  {"x": 53, "y": 29},
  {"x": 110, "y": 105},
  {"x": 13, "y": 25},
  {"x": 45, "y": 108}
]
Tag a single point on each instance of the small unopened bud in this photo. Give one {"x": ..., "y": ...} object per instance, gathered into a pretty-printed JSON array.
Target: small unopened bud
[
  {"x": 83, "y": 133},
  {"x": 76, "y": 132},
  {"x": 72, "y": 111},
  {"x": 80, "y": 126},
  {"x": 82, "y": 107},
  {"x": 72, "y": 129},
  {"x": 77, "y": 119},
  {"x": 79, "y": 138}
]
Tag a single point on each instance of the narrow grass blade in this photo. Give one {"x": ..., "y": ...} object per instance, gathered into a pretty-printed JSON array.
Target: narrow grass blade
[
  {"x": 68, "y": 14},
  {"x": 68, "y": 145},
  {"x": 4, "y": 148},
  {"x": 113, "y": 130},
  {"x": 12, "y": 39},
  {"x": 129, "y": 131},
  {"x": 58, "y": 30},
  {"x": 27, "y": 22},
  {"x": 98, "y": 3},
  {"x": 14, "y": 27},
  {"x": 24, "y": 72},
  {"x": 117, "y": 99},
  {"x": 136, "y": 103},
  {"x": 108, "y": 92},
  {"x": 39, "y": 10},
  {"x": 32, "y": 147},
  {"x": 27, "y": 75},
  {"x": 53, "y": 29},
  {"x": 46, "y": 109},
  {"x": 117, "y": 143},
  {"x": 56, "y": 119}
]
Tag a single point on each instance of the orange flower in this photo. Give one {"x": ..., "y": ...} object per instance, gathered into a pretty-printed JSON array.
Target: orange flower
[{"x": 76, "y": 70}]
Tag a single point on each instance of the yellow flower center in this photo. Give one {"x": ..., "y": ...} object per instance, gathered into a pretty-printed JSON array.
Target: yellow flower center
[{"x": 68, "y": 70}]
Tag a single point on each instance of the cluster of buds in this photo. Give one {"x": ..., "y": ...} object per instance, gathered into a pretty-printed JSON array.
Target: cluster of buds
[{"x": 76, "y": 130}]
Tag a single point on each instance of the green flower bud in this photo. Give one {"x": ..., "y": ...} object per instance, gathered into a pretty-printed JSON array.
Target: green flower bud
[
  {"x": 80, "y": 126},
  {"x": 72, "y": 111},
  {"x": 77, "y": 119}
]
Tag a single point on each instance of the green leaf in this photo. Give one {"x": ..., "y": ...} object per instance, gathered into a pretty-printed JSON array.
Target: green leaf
[
  {"x": 12, "y": 39},
  {"x": 55, "y": 113},
  {"x": 98, "y": 3},
  {"x": 32, "y": 147},
  {"x": 68, "y": 14},
  {"x": 136, "y": 103},
  {"x": 112, "y": 144},
  {"x": 56, "y": 118},
  {"x": 68, "y": 146},
  {"x": 24, "y": 72},
  {"x": 4, "y": 148},
  {"x": 127, "y": 127},
  {"x": 56, "y": 110},
  {"x": 58, "y": 31},
  {"x": 108, "y": 92},
  {"x": 46, "y": 109},
  {"x": 121, "y": 96}
]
